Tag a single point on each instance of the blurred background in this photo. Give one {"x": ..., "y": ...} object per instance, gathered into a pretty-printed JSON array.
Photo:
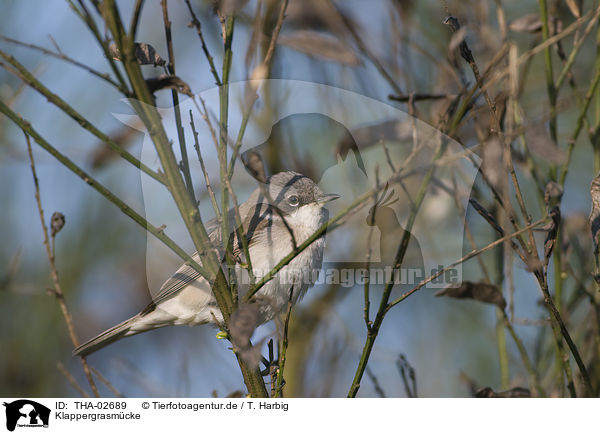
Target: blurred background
[{"x": 377, "y": 49}]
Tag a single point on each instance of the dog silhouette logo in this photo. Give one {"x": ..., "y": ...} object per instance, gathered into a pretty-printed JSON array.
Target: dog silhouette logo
[{"x": 26, "y": 413}]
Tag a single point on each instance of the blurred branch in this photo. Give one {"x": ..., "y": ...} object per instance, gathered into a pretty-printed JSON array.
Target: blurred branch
[
  {"x": 186, "y": 206},
  {"x": 370, "y": 55},
  {"x": 157, "y": 232},
  {"x": 107, "y": 383},
  {"x": 60, "y": 55},
  {"x": 88, "y": 20},
  {"x": 266, "y": 65},
  {"x": 21, "y": 72},
  {"x": 53, "y": 272},
  {"x": 551, "y": 88},
  {"x": 468, "y": 256},
  {"x": 419, "y": 97},
  {"x": 71, "y": 380}
]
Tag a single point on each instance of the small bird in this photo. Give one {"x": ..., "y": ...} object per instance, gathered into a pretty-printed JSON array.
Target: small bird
[{"x": 289, "y": 203}]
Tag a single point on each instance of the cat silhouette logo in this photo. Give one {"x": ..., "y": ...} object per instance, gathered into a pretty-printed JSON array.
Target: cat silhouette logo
[{"x": 26, "y": 413}]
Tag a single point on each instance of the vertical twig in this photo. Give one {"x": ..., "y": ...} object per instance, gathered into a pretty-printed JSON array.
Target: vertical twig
[
  {"x": 184, "y": 164},
  {"x": 283, "y": 347},
  {"x": 54, "y": 273}
]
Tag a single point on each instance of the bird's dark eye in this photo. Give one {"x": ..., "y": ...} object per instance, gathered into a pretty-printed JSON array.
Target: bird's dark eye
[{"x": 293, "y": 200}]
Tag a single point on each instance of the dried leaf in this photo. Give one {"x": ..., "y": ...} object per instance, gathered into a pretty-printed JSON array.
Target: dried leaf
[
  {"x": 57, "y": 221},
  {"x": 371, "y": 135},
  {"x": 457, "y": 38},
  {"x": 533, "y": 263},
  {"x": 258, "y": 75},
  {"x": 242, "y": 324},
  {"x": 595, "y": 214},
  {"x": 103, "y": 154},
  {"x": 576, "y": 237},
  {"x": 480, "y": 291},
  {"x": 551, "y": 235},
  {"x": 540, "y": 143},
  {"x": 169, "y": 82},
  {"x": 255, "y": 165},
  {"x": 318, "y": 15},
  {"x": 515, "y": 392},
  {"x": 553, "y": 193},
  {"x": 321, "y": 46},
  {"x": 493, "y": 161},
  {"x": 230, "y": 7},
  {"x": 529, "y": 23},
  {"x": 145, "y": 54},
  {"x": 575, "y": 7},
  {"x": 486, "y": 215}
]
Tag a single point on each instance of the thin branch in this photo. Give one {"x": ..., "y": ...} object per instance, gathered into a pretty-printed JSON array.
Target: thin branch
[
  {"x": 135, "y": 18},
  {"x": 283, "y": 348},
  {"x": 71, "y": 380},
  {"x": 92, "y": 182},
  {"x": 468, "y": 256},
  {"x": 107, "y": 383},
  {"x": 198, "y": 26},
  {"x": 54, "y": 273},
  {"x": 60, "y": 55},
  {"x": 21, "y": 72},
  {"x": 209, "y": 188},
  {"x": 185, "y": 165}
]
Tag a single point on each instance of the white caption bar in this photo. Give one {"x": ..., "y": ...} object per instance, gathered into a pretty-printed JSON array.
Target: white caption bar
[{"x": 49, "y": 415}]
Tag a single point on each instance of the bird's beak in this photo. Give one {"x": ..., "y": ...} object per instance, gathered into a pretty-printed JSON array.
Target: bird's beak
[{"x": 328, "y": 198}]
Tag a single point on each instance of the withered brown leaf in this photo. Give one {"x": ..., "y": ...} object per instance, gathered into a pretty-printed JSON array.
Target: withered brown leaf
[
  {"x": 145, "y": 54},
  {"x": 169, "y": 82},
  {"x": 551, "y": 235},
  {"x": 529, "y": 23},
  {"x": 57, "y": 221},
  {"x": 320, "y": 45},
  {"x": 480, "y": 291}
]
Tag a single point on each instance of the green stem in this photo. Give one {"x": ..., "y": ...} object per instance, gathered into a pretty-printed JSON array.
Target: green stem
[
  {"x": 548, "y": 69},
  {"x": 536, "y": 388},
  {"x": 92, "y": 182},
  {"x": 186, "y": 206},
  {"x": 402, "y": 248},
  {"x": 283, "y": 349},
  {"x": 22, "y": 72},
  {"x": 222, "y": 148},
  {"x": 185, "y": 165},
  {"x": 580, "y": 120}
]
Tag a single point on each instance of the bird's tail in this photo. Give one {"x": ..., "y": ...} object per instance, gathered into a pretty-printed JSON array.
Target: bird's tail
[{"x": 107, "y": 337}]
